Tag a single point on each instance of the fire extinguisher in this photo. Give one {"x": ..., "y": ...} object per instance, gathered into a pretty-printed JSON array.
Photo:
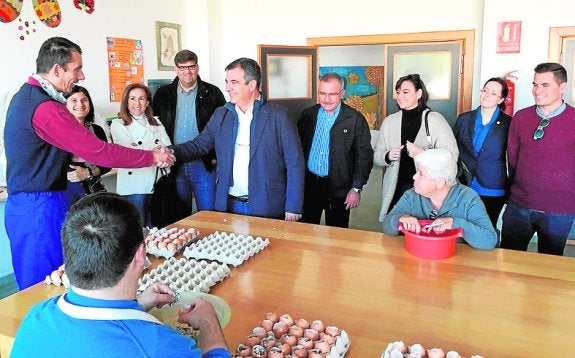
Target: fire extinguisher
[{"x": 510, "y": 99}]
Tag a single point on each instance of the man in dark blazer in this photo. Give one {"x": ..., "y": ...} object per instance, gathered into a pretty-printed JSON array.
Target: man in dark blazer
[
  {"x": 184, "y": 107},
  {"x": 337, "y": 148},
  {"x": 260, "y": 168}
]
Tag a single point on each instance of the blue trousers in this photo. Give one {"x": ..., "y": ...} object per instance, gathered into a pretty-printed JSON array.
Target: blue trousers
[
  {"x": 238, "y": 207},
  {"x": 74, "y": 192},
  {"x": 519, "y": 225},
  {"x": 143, "y": 204},
  {"x": 193, "y": 180},
  {"x": 33, "y": 224}
]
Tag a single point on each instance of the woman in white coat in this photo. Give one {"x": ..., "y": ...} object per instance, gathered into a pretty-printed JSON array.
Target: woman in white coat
[
  {"x": 403, "y": 135},
  {"x": 138, "y": 128}
]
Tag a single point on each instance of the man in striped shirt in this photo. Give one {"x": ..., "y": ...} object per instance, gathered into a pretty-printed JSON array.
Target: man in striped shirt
[{"x": 337, "y": 149}]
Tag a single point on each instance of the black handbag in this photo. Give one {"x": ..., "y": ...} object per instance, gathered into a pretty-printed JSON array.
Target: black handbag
[
  {"x": 93, "y": 185},
  {"x": 164, "y": 199}
]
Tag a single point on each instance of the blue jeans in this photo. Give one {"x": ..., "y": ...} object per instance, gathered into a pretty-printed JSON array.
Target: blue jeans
[
  {"x": 143, "y": 204},
  {"x": 237, "y": 207},
  {"x": 193, "y": 180},
  {"x": 519, "y": 225}
]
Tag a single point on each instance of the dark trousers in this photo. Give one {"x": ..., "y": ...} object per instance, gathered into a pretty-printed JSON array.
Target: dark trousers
[
  {"x": 317, "y": 199},
  {"x": 519, "y": 225},
  {"x": 493, "y": 205}
]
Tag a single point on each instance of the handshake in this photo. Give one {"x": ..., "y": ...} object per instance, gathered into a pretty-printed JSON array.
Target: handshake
[{"x": 163, "y": 157}]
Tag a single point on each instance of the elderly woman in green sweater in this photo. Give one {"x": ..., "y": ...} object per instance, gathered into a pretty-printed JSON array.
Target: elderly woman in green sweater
[{"x": 437, "y": 195}]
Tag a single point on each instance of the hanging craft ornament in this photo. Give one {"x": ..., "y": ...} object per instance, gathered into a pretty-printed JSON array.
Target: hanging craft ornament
[
  {"x": 85, "y": 5},
  {"x": 10, "y": 10},
  {"x": 48, "y": 11}
]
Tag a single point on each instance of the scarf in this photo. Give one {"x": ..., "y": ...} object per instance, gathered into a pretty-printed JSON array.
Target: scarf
[{"x": 49, "y": 88}]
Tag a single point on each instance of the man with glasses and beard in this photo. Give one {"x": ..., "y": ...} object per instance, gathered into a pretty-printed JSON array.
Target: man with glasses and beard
[{"x": 541, "y": 152}]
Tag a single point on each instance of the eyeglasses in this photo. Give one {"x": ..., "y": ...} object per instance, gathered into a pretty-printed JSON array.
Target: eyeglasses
[
  {"x": 189, "y": 68},
  {"x": 539, "y": 132},
  {"x": 433, "y": 214},
  {"x": 492, "y": 93}
]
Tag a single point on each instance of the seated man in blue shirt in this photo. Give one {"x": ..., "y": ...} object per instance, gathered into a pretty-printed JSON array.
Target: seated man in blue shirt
[
  {"x": 100, "y": 315},
  {"x": 437, "y": 195}
]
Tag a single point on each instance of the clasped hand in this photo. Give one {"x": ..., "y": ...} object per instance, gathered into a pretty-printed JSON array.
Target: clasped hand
[
  {"x": 163, "y": 157},
  {"x": 438, "y": 225}
]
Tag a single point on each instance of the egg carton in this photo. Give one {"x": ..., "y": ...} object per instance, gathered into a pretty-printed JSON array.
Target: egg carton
[
  {"x": 185, "y": 275},
  {"x": 229, "y": 248},
  {"x": 168, "y": 242},
  {"x": 299, "y": 338},
  {"x": 398, "y": 349}
]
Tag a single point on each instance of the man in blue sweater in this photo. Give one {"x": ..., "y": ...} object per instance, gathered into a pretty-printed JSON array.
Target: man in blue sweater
[{"x": 100, "y": 315}]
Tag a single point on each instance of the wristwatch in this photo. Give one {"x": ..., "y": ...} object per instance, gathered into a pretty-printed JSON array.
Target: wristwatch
[{"x": 356, "y": 190}]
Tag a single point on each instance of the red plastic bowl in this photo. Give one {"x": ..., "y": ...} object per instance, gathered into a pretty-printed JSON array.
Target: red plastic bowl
[{"x": 431, "y": 245}]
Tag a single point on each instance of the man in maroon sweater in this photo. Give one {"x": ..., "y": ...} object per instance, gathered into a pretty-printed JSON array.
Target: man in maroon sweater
[{"x": 541, "y": 152}]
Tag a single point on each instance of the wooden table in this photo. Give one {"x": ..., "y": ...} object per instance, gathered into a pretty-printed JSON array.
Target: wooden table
[{"x": 497, "y": 303}]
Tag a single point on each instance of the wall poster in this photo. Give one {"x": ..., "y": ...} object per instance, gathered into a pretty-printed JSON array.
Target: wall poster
[{"x": 125, "y": 65}]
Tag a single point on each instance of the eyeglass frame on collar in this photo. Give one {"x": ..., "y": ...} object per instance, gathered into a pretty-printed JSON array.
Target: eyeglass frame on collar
[
  {"x": 540, "y": 132},
  {"x": 433, "y": 214}
]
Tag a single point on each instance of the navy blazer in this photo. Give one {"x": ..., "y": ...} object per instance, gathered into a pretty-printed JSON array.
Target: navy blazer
[
  {"x": 276, "y": 168},
  {"x": 489, "y": 167}
]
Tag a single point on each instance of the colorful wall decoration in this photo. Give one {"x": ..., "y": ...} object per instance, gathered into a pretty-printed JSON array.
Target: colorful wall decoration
[
  {"x": 125, "y": 65},
  {"x": 364, "y": 90}
]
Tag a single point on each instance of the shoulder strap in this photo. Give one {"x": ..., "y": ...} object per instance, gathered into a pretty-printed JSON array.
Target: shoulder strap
[
  {"x": 427, "y": 135},
  {"x": 103, "y": 314}
]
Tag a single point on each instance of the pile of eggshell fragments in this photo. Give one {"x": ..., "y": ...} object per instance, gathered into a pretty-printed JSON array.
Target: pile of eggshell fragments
[
  {"x": 398, "y": 349},
  {"x": 58, "y": 277},
  {"x": 167, "y": 242},
  {"x": 281, "y": 337}
]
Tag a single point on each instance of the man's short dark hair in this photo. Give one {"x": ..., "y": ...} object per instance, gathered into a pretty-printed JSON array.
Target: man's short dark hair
[
  {"x": 55, "y": 50},
  {"x": 559, "y": 71},
  {"x": 185, "y": 56},
  {"x": 100, "y": 236},
  {"x": 252, "y": 70}
]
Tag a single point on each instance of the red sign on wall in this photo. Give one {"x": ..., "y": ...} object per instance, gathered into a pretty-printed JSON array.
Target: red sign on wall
[{"x": 508, "y": 37}]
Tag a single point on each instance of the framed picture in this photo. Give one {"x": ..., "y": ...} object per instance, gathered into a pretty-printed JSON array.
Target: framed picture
[{"x": 168, "y": 43}]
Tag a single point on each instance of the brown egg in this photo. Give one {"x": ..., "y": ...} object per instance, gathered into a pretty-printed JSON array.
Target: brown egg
[
  {"x": 268, "y": 343},
  {"x": 286, "y": 348},
  {"x": 280, "y": 328},
  {"x": 276, "y": 352},
  {"x": 315, "y": 353},
  {"x": 171, "y": 246},
  {"x": 306, "y": 342},
  {"x": 253, "y": 340},
  {"x": 177, "y": 242},
  {"x": 260, "y": 332},
  {"x": 324, "y": 346},
  {"x": 286, "y": 318},
  {"x": 243, "y": 350},
  {"x": 302, "y": 323},
  {"x": 311, "y": 334},
  {"x": 318, "y": 325},
  {"x": 162, "y": 245},
  {"x": 332, "y": 331},
  {"x": 299, "y": 351},
  {"x": 326, "y": 337},
  {"x": 289, "y": 339},
  {"x": 435, "y": 353},
  {"x": 272, "y": 316},
  {"x": 267, "y": 324},
  {"x": 296, "y": 331}
]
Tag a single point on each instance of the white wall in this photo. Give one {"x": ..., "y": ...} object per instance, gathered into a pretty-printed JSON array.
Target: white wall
[
  {"x": 242, "y": 25},
  {"x": 537, "y": 17}
]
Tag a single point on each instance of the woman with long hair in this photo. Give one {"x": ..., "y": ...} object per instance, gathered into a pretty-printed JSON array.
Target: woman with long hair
[
  {"x": 138, "y": 128},
  {"x": 404, "y": 134}
]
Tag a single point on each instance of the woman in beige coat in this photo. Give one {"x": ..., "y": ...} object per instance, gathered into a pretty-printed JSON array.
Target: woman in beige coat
[{"x": 402, "y": 136}]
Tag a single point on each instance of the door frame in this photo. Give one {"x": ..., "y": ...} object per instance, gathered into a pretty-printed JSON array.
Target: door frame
[
  {"x": 466, "y": 37},
  {"x": 556, "y": 37}
]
